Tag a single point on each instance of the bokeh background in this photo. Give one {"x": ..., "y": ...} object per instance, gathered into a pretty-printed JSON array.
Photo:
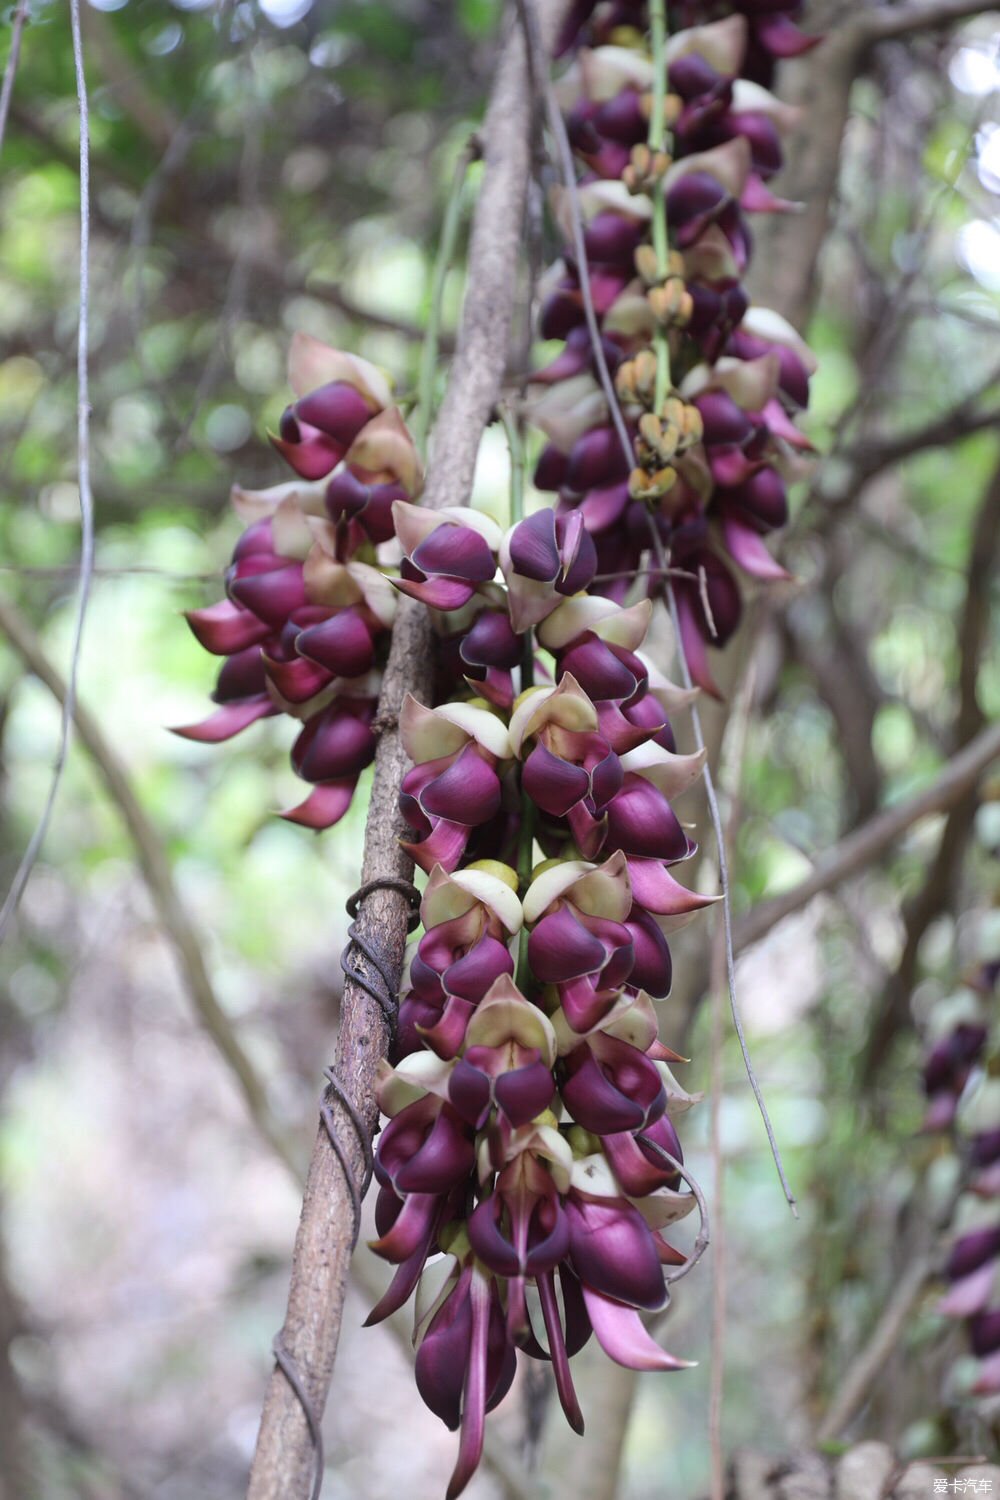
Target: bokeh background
[{"x": 261, "y": 168}]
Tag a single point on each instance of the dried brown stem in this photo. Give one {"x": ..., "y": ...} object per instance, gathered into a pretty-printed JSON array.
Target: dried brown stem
[
  {"x": 156, "y": 872},
  {"x": 869, "y": 842},
  {"x": 283, "y": 1461}
]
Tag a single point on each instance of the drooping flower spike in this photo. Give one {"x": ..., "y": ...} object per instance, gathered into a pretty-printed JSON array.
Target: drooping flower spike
[
  {"x": 712, "y": 463},
  {"x": 304, "y": 627},
  {"x": 530, "y": 1152}
]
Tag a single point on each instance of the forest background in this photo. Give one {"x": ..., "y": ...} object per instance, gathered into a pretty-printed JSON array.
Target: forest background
[{"x": 262, "y": 169}]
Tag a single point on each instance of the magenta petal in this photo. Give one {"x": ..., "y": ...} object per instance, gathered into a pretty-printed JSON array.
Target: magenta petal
[
  {"x": 342, "y": 644},
  {"x": 298, "y": 680},
  {"x": 273, "y": 595},
  {"x": 488, "y": 1240},
  {"x": 491, "y": 642},
  {"x": 469, "y": 1093},
  {"x": 612, "y": 1250},
  {"x": 746, "y": 548},
  {"x": 604, "y": 506},
  {"x": 311, "y": 458},
  {"x": 457, "y": 552},
  {"x": 593, "y": 1100},
  {"x": 467, "y": 792},
  {"x": 522, "y": 1093},
  {"x": 782, "y": 38},
  {"x": 227, "y": 720},
  {"x": 444, "y": 1353},
  {"x": 636, "y": 1168},
  {"x": 971, "y": 1251},
  {"x": 623, "y": 1338},
  {"x": 552, "y": 783},
  {"x": 764, "y": 497},
  {"x": 641, "y": 821},
  {"x": 969, "y": 1294},
  {"x": 600, "y": 669},
  {"x": 471, "y": 975},
  {"x": 411, "y": 1228},
  {"x": 337, "y": 409},
  {"x": 631, "y": 1072},
  {"x": 325, "y": 805},
  {"x": 557, "y": 1351},
  {"x": 651, "y": 969},
  {"x": 596, "y": 459},
  {"x": 445, "y": 1157},
  {"x": 444, "y": 846},
  {"x": 533, "y": 550},
  {"x": 437, "y": 593},
  {"x": 474, "y": 1391},
  {"x": 240, "y": 676},
  {"x": 402, "y": 1284},
  {"x": 560, "y": 947},
  {"x": 725, "y": 422},
  {"x": 583, "y": 1005},
  {"x": 550, "y": 471},
  {"x": 333, "y": 745},
  {"x": 446, "y": 1036},
  {"x": 224, "y": 627}
]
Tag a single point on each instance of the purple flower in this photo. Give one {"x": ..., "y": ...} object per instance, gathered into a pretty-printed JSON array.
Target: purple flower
[
  {"x": 465, "y": 1365},
  {"x": 609, "y": 1086}
]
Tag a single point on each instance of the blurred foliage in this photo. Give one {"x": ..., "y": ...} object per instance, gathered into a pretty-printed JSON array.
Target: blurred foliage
[{"x": 258, "y": 170}]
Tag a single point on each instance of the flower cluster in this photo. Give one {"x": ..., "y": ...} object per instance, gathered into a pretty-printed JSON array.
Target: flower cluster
[
  {"x": 530, "y": 1163},
  {"x": 530, "y": 1157},
  {"x": 713, "y": 455},
  {"x": 306, "y": 619},
  {"x": 961, "y": 1086}
]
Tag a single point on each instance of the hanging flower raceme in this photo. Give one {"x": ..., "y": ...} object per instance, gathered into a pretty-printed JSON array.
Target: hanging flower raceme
[
  {"x": 712, "y": 463},
  {"x": 964, "y": 1095},
  {"x": 530, "y": 1139},
  {"x": 304, "y": 627},
  {"x": 530, "y": 1170}
]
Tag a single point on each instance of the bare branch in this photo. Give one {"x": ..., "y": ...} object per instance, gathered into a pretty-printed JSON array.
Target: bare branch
[
  {"x": 156, "y": 872},
  {"x": 284, "y": 1458},
  {"x": 872, "y": 839}
]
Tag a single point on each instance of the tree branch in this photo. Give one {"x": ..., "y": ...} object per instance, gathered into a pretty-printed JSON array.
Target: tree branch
[
  {"x": 872, "y": 839},
  {"x": 156, "y": 872},
  {"x": 284, "y": 1458}
]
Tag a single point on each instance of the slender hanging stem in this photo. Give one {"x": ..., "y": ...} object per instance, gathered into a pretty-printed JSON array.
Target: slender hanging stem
[
  {"x": 658, "y": 142},
  {"x": 526, "y": 837},
  {"x": 421, "y": 420}
]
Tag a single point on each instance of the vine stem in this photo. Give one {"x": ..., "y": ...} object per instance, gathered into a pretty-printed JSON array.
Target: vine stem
[
  {"x": 558, "y": 128},
  {"x": 31, "y": 853}
]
